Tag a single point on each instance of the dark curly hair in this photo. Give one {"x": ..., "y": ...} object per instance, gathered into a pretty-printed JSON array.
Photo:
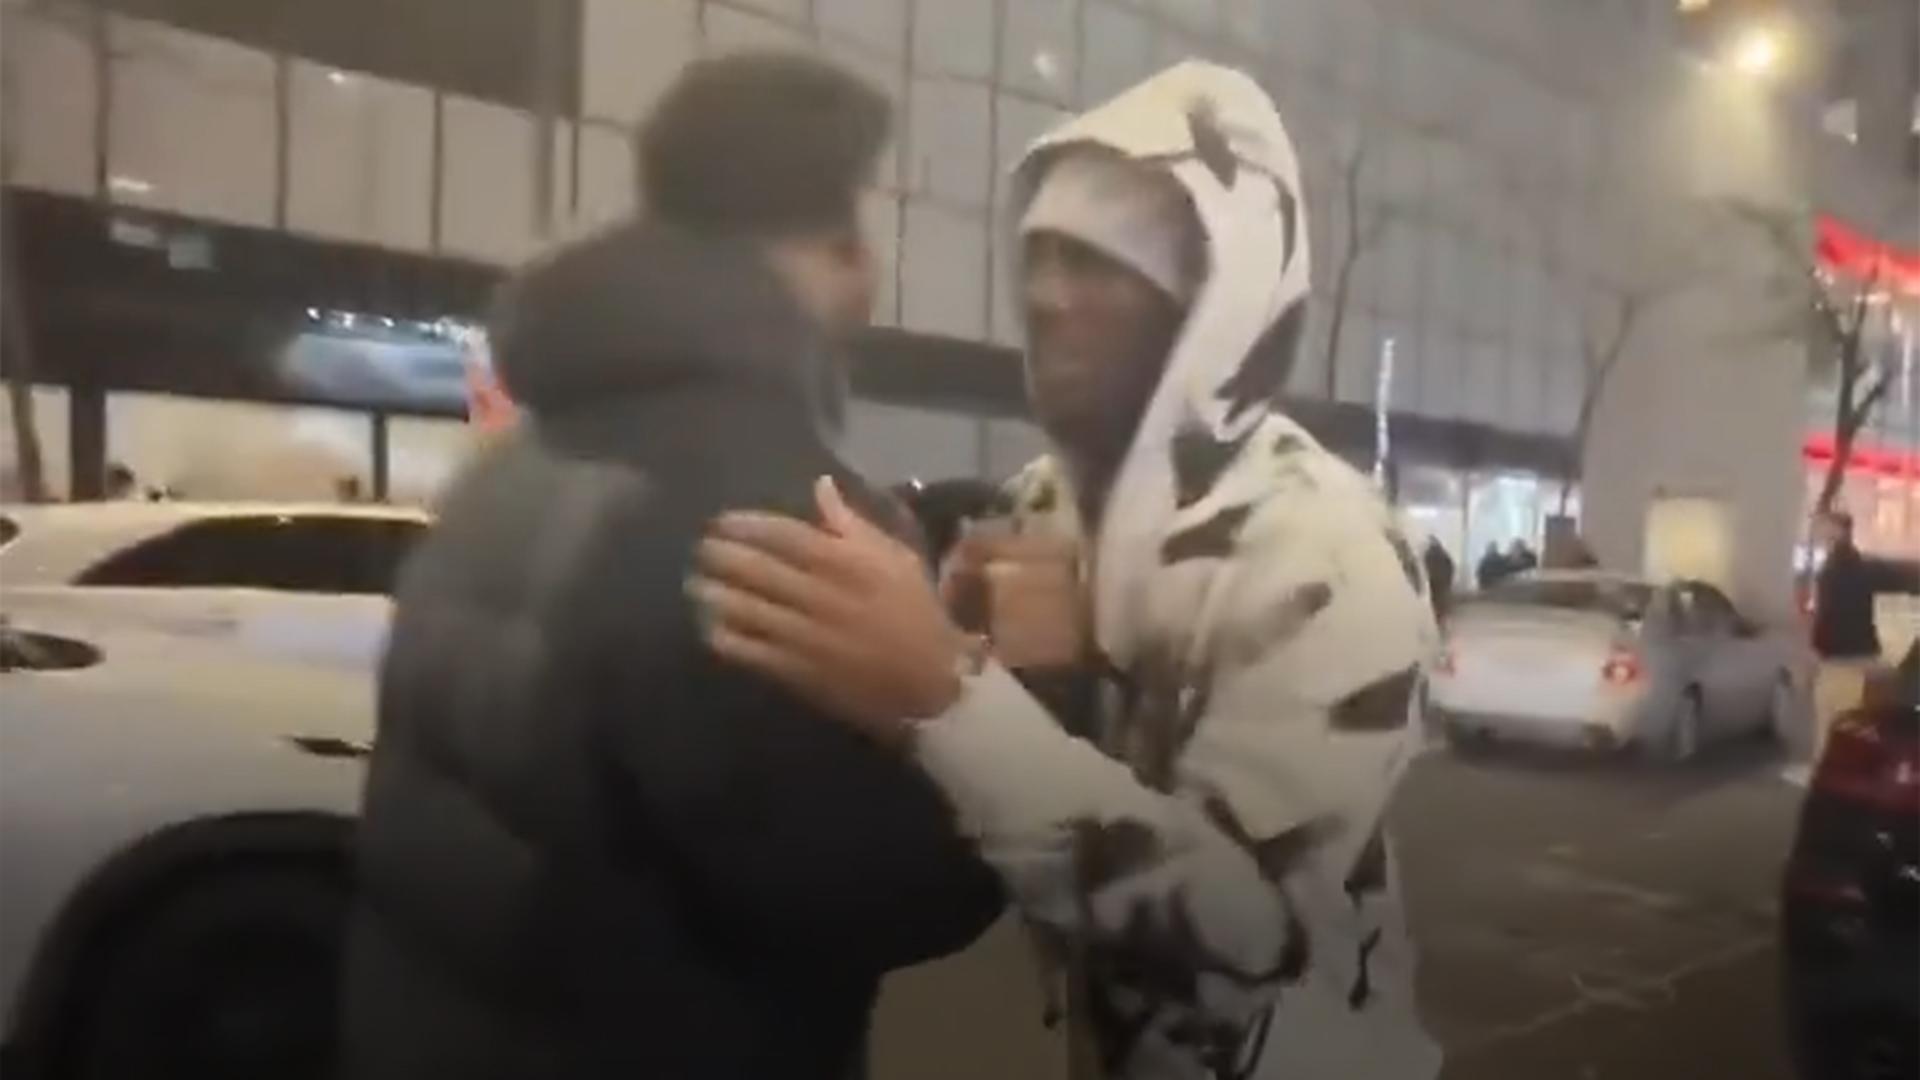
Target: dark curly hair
[{"x": 762, "y": 144}]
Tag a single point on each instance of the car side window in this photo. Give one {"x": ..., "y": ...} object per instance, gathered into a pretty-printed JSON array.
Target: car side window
[{"x": 277, "y": 552}]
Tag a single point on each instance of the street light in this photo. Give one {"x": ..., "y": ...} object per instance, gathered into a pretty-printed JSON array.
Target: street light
[{"x": 1758, "y": 52}]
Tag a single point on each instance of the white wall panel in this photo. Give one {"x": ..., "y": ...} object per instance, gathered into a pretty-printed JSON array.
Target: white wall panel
[
  {"x": 630, "y": 52},
  {"x": 1445, "y": 265},
  {"x": 890, "y": 444},
  {"x": 359, "y": 157},
  {"x": 880, "y": 217},
  {"x": 1119, "y": 50},
  {"x": 192, "y": 127},
  {"x": 1396, "y": 259},
  {"x": 950, "y": 141},
  {"x": 954, "y": 37},
  {"x": 943, "y": 272},
  {"x": 731, "y": 30},
  {"x": 1292, "y": 30},
  {"x": 1020, "y": 122},
  {"x": 1443, "y": 374},
  {"x": 487, "y": 185},
  {"x": 1038, "y": 49},
  {"x": 1011, "y": 446},
  {"x": 608, "y": 184},
  {"x": 875, "y": 24},
  {"x": 889, "y": 76},
  {"x": 1484, "y": 388},
  {"x": 52, "y": 87},
  {"x": 1357, "y": 358},
  {"x": 792, "y": 10},
  {"x": 1527, "y": 405}
]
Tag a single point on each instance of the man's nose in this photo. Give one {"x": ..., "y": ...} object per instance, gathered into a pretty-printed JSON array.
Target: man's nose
[{"x": 1045, "y": 287}]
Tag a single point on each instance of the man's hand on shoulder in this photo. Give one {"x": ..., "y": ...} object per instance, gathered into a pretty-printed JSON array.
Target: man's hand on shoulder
[{"x": 842, "y": 614}]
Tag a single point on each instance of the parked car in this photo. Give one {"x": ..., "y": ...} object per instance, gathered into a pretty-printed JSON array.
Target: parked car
[
  {"x": 1591, "y": 660},
  {"x": 1850, "y": 909},
  {"x": 185, "y": 698}
]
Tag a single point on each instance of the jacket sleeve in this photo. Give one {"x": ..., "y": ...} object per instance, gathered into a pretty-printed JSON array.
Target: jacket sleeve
[
  {"x": 1295, "y": 732},
  {"x": 785, "y": 830}
]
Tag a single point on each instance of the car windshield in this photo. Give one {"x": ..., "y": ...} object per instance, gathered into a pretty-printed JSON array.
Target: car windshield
[{"x": 1625, "y": 600}]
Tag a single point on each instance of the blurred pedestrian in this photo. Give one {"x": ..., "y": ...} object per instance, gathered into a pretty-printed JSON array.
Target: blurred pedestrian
[
  {"x": 122, "y": 485},
  {"x": 1521, "y": 558},
  {"x": 1843, "y": 625},
  {"x": 1440, "y": 570},
  {"x": 588, "y": 848},
  {"x": 1493, "y": 567},
  {"x": 1844, "y": 634},
  {"x": 1218, "y": 878}
]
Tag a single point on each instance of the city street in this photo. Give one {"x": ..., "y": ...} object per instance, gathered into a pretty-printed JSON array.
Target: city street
[
  {"x": 1594, "y": 921},
  {"x": 1576, "y": 919}
]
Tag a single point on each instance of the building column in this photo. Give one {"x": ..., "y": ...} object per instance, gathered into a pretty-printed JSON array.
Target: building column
[{"x": 87, "y": 442}]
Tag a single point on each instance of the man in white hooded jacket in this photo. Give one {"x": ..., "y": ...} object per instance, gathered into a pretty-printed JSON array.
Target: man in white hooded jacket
[{"x": 1212, "y": 864}]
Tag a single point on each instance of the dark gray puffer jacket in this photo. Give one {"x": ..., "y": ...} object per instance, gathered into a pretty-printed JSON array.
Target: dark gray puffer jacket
[{"x": 587, "y": 849}]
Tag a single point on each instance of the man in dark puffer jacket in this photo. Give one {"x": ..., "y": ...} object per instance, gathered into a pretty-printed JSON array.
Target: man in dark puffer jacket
[{"x": 588, "y": 849}]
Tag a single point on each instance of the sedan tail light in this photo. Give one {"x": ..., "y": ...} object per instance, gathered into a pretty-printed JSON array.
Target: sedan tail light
[
  {"x": 1864, "y": 764},
  {"x": 1622, "y": 668}
]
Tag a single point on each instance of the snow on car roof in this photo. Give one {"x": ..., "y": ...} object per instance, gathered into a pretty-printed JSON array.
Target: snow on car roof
[{"x": 56, "y": 541}]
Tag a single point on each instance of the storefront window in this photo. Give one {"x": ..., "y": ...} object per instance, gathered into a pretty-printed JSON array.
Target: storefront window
[
  {"x": 1504, "y": 507},
  {"x": 1434, "y": 501}
]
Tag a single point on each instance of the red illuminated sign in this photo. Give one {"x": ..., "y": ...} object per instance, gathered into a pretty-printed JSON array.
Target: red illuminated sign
[{"x": 1845, "y": 250}]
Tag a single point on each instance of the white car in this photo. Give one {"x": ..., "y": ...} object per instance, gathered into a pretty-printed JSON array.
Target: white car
[
  {"x": 1603, "y": 661},
  {"x": 186, "y": 697}
]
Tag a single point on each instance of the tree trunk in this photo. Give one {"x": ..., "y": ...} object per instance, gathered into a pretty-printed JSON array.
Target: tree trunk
[
  {"x": 1847, "y": 425},
  {"x": 1342, "y": 283}
]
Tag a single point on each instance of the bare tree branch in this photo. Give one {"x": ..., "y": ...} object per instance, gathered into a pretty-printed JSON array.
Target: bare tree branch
[
  {"x": 1598, "y": 362},
  {"x": 1362, "y": 232}
]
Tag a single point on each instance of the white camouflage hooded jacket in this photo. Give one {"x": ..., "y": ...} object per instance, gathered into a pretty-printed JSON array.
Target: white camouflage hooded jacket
[{"x": 1216, "y": 870}]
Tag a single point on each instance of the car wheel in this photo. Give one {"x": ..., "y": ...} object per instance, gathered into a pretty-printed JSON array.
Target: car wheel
[
  {"x": 1683, "y": 739},
  {"x": 233, "y": 976}
]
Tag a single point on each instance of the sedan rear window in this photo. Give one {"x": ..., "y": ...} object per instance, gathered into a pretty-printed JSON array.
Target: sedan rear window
[{"x": 1627, "y": 600}]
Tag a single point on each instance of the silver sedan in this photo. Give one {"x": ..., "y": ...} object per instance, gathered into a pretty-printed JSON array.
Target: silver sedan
[{"x": 1605, "y": 661}]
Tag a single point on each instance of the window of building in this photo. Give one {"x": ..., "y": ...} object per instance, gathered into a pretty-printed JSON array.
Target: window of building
[{"x": 519, "y": 52}]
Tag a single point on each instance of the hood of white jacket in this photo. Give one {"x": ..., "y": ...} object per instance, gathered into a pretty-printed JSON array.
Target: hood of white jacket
[{"x": 1216, "y": 132}]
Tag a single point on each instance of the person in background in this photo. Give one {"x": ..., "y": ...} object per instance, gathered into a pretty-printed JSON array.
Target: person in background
[
  {"x": 588, "y": 848},
  {"x": 1211, "y": 867},
  {"x": 1521, "y": 558},
  {"x": 1843, "y": 625},
  {"x": 1493, "y": 567},
  {"x": 1440, "y": 570},
  {"x": 122, "y": 484},
  {"x": 1844, "y": 634}
]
